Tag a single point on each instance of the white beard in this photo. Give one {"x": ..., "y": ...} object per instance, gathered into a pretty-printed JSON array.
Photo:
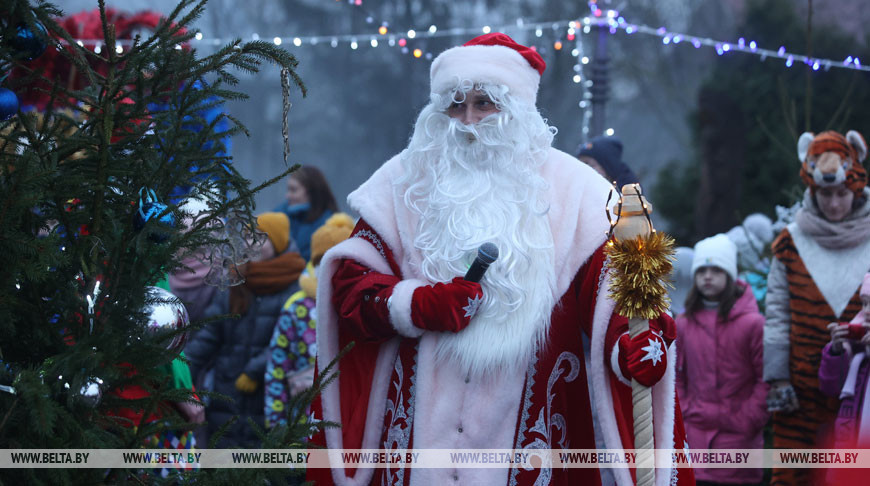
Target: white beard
[{"x": 477, "y": 184}]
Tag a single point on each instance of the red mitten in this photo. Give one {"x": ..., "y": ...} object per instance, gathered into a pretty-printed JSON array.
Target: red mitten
[
  {"x": 644, "y": 358},
  {"x": 446, "y": 306}
]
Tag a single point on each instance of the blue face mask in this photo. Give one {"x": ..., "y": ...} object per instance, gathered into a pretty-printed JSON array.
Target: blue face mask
[{"x": 296, "y": 209}]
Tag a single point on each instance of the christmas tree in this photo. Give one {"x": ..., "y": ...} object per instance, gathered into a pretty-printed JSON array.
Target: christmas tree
[{"x": 101, "y": 194}]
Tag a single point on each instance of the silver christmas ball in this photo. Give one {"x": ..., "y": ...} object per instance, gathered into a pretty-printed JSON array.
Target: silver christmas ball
[
  {"x": 90, "y": 394},
  {"x": 166, "y": 315}
]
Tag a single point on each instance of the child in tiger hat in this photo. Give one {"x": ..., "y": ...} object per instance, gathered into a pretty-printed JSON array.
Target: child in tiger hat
[{"x": 293, "y": 349}]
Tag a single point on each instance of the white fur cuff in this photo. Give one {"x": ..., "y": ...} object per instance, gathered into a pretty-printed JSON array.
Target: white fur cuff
[
  {"x": 614, "y": 362},
  {"x": 399, "y": 305}
]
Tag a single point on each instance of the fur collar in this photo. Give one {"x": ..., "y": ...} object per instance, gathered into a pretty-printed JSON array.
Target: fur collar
[{"x": 577, "y": 198}]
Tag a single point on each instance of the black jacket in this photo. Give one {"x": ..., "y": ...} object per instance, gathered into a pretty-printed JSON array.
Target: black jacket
[{"x": 233, "y": 347}]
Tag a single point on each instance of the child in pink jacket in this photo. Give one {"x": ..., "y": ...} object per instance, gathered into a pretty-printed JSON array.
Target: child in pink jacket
[
  {"x": 719, "y": 362},
  {"x": 844, "y": 373}
]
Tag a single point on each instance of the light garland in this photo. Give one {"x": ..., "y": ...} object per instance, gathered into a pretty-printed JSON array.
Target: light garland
[
  {"x": 585, "y": 103},
  {"x": 610, "y": 19},
  {"x": 614, "y": 23},
  {"x": 723, "y": 47}
]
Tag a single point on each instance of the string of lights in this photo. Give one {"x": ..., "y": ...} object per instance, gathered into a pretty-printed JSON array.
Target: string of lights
[
  {"x": 570, "y": 35},
  {"x": 617, "y": 23},
  {"x": 609, "y": 18},
  {"x": 586, "y": 94},
  {"x": 556, "y": 27},
  {"x": 566, "y": 30}
]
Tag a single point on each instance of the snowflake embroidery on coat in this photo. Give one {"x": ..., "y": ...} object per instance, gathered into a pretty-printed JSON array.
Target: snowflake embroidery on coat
[
  {"x": 654, "y": 352},
  {"x": 473, "y": 305}
]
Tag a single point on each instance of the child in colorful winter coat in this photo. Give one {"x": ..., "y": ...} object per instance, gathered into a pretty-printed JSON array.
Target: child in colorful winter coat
[
  {"x": 720, "y": 361},
  {"x": 843, "y": 374},
  {"x": 292, "y": 350}
]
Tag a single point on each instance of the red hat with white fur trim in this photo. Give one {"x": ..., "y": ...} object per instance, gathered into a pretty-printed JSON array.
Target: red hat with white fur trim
[{"x": 494, "y": 59}]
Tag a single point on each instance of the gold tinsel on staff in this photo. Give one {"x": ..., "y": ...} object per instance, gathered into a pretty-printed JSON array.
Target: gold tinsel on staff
[{"x": 641, "y": 267}]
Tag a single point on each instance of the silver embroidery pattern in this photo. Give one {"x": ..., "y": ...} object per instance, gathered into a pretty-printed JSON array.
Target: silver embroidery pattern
[
  {"x": 674, "y": 472},
  {"x": 545, "y": 423},
  {"x": 398, "y": 433},
  {"x": 373, "y": 239},
  {"x": 603, "y": 273},
  {"x": 524, "y": 417}
]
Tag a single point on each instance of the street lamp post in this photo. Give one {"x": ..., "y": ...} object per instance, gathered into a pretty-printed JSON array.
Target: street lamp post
[{"x": 600, "y": 83}]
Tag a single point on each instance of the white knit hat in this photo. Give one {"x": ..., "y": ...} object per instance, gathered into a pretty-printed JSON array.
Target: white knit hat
[
  {"x": 491, "y": 59},
  {"x": 716, "y": 251},
  {"x": 759, "y": 226}
]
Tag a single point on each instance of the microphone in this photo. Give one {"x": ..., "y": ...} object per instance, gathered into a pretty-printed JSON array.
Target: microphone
[{"x": 486, "y": 254}]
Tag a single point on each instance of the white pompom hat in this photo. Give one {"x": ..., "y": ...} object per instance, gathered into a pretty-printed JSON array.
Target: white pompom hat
[
  {"x": 491, "y": 59},
  {"x": 716, "y": 251}
]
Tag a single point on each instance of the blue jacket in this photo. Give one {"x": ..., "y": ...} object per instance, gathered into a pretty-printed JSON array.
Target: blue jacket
[{"x": 300, "y": 229}]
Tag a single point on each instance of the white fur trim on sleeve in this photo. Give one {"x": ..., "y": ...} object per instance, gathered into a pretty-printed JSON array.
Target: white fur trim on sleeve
[
  {"x": 614, "y": 362},
  {"x": 400, "y": 308}
]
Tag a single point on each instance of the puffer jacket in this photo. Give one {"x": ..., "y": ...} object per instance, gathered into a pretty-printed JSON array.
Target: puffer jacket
[
  {"x": 719, "y": 383},
  {"x": 232, "y": 347},
  {"x": 832, "y": 376}
]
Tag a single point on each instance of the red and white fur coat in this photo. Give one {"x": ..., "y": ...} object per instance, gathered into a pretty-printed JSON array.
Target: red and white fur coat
[{"x": 546, "y": 405}]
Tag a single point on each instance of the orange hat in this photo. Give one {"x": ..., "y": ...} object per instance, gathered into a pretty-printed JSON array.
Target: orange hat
[
  {"x": 277, "y": 228},
  {"x": 336, "y": 229}
]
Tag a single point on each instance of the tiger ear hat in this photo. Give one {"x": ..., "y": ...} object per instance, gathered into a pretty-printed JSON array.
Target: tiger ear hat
[{"x": 830, "y": 159}]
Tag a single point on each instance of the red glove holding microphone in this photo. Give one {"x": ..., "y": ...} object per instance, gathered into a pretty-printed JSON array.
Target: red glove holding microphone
[{"x": 446, "y": 307}]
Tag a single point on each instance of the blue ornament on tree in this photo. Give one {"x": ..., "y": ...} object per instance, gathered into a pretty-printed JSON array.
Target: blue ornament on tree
[
  {"x": 28, "y": 44},
  {"x": 8, "y": 104},
  {"x": 150, "y": 208}
]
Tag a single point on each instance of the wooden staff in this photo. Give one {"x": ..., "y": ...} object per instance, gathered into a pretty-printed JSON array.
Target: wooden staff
[{"x": 640, "y": 258}]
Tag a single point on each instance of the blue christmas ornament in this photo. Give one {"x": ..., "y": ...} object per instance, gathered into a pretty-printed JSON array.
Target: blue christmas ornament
[
  {"x": 28, "y": 44},
  {"x": 8, "y": 104},
  {"x": 150, "y": 208}
]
